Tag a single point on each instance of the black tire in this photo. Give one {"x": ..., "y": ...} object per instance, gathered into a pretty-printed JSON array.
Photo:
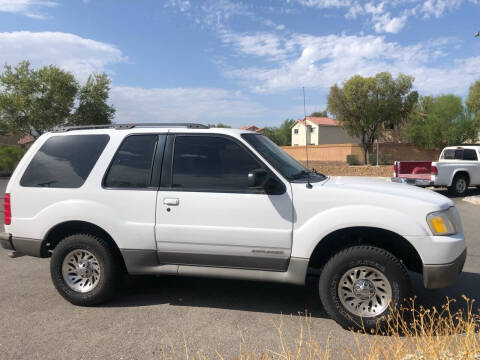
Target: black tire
[
  {"x": 358, "y": 256},
  {"x": 459, "y": 185},
  {"x": 108, "y": 262}
]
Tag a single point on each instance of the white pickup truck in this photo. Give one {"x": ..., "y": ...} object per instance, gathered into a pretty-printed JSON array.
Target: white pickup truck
[
  {"x": 183, "y": 199},
  {"x": 458, "y": 168}
]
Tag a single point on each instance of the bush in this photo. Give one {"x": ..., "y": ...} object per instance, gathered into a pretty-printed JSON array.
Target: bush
[
  {"x": 10, "y": 155},
  {"x": 352, "y": 160}
]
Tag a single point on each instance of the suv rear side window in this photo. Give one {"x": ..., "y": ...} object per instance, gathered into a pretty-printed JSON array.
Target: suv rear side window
[
  {"x": 132, "y": 165},
  {"x": 211, "y": 163},
  {"x": 64, "y": 161}
]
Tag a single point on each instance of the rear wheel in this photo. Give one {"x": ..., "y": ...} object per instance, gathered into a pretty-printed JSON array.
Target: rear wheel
[
  {"x": 85, "y": 270},
  {"x": 359, "y": 286},
  {"x": 459, "y": 185}
]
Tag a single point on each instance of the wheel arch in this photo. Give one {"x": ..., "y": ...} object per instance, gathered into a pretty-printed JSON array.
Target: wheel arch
[
  {"x": 60, "y": 231},
  {"x": 382, "y": 238},
  {"x": 460, "y": 172}
]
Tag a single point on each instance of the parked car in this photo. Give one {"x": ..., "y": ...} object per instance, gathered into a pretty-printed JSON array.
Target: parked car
[
  {"x": 458, "y": 168},
  {"x": 189, "y": 200}
]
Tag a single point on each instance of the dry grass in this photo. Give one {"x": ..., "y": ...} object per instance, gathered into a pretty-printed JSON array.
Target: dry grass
[{"x": 412, "y": 333}]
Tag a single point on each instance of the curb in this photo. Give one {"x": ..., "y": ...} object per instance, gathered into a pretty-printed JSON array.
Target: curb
[{"x": 475, "y": 200}]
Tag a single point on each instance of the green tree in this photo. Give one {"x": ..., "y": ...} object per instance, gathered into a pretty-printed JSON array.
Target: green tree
[
  {"x": 473, "y": 100},
  {"x": 364, "y": 105},
  {"x": 323, "y": 113},
  {"x": 441, "y": 121},
  {"x": 35, "y": 101},
  {"x": 281, "y": 135},
  {"x": 10, "y": 155},
  {"x": 92, "y": 102}
]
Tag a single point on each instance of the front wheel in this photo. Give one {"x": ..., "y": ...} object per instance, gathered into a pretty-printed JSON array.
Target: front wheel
[
  {"x": 85, "y": 270},
  {"x": 359, "y": 286}
]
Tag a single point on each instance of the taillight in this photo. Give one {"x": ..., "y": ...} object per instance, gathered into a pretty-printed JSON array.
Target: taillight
[
  {"x": 7, "y": 210},
  {"x": 434, "y": 170}
]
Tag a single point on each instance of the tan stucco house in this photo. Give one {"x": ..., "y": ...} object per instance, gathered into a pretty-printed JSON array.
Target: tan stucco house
[{"x": 320, "y": 131}]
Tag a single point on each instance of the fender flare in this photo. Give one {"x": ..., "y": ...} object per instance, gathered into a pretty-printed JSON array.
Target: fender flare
[{"x": 307, "y": 236}]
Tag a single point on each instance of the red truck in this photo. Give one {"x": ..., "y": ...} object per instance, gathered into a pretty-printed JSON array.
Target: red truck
[{"x": 458, "y": 168}]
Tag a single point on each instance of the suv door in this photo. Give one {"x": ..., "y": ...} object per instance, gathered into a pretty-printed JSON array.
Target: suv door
[{"x": 207, "y": 214}]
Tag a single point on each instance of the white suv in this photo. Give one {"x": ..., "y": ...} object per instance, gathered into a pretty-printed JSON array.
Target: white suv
[{"x": 183, "y": 199}]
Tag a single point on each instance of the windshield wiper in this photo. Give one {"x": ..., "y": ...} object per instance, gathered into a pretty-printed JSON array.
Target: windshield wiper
[
  {"x": 46, "y": 184},
  {"x": 307, "y": 174}
]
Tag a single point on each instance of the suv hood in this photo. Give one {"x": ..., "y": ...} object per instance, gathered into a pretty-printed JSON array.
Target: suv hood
[
  {"x": 364, "y": 191},
  {"x": 379, "y": 188},
  {"x": 360, "y": 201}
]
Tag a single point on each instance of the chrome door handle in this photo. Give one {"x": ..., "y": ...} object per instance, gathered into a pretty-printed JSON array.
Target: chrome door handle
[{"x": 171, "y": 201}]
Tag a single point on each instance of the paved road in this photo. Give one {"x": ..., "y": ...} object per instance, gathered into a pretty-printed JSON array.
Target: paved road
[{"x": 151, "y": 314}]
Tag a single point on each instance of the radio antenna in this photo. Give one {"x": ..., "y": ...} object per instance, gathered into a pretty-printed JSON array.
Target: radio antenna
[{"x": 309, "y": 186}]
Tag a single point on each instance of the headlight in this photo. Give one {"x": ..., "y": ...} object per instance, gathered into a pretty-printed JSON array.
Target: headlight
[{"x": 442, "y": 222}]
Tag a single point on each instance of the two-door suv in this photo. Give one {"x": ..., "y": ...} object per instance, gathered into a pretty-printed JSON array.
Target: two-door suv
[{"x": 184, "y": 199}]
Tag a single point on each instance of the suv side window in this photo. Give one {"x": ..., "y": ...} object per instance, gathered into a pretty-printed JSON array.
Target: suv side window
[
  {"x": 211, "y": 163},
  {"x": 64, "y": 161},
  {"x": 132, "y": 165}
]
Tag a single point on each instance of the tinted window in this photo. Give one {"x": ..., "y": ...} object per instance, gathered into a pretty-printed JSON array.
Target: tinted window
[
  {"x": 64, "y": 161},
  {"x": 449, "y": 154},
  {"x": 460, "y": 154},
  {"x": 279, "y": 159},
  {"x": 132, "y": 165},
  {"x": 211, "y": 163},
  {"x": 469, "y": 154}
]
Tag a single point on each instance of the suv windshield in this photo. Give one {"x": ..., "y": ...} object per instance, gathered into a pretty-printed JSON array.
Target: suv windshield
[{"x": 279, "y": 159}]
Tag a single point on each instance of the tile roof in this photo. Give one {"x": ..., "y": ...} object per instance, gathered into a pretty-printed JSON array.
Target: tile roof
[
  {"x": 320, "y": 121},
  {"x": 252, "y": 128}
]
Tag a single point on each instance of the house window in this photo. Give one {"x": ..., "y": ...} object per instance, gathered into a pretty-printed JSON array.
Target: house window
[{"x": 295, "y": 131}]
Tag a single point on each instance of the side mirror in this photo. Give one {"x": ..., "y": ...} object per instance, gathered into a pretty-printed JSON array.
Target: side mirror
[{"x": 257, "y": 178}]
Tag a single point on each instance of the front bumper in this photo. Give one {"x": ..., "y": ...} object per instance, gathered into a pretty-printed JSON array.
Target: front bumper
[
  {"x": 21, "y": 245},
  {"x": 413, "y": 181},
  {"x": 439, "y": 276}
]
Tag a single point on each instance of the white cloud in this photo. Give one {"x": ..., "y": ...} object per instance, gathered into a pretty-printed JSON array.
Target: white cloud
[
  {"x": 385, "y": 23},
  {"x": 383, "y": 14},
  {"x": 30, "y": 8},
  {"x": 354, "y": 11},
  {"x": 264, "y": 44},
  {"x": 438, "y": 7},
  {"x": 181, "y": 5},
  {"x": 321, "y": 61},
  {"x": 325, "y": 3},
  {"x": 204, "y": 105},
  {"x": 71, "y": 52}
]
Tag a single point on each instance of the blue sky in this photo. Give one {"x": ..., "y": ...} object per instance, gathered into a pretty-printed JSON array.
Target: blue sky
[{"x": 243, "y": 62}]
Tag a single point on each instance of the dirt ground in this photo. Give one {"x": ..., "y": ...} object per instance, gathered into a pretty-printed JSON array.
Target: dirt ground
[{"x": 347, "y": 170}]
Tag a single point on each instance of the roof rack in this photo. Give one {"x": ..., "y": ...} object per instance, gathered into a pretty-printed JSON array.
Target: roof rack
[{"x": 130, "y": 126}]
